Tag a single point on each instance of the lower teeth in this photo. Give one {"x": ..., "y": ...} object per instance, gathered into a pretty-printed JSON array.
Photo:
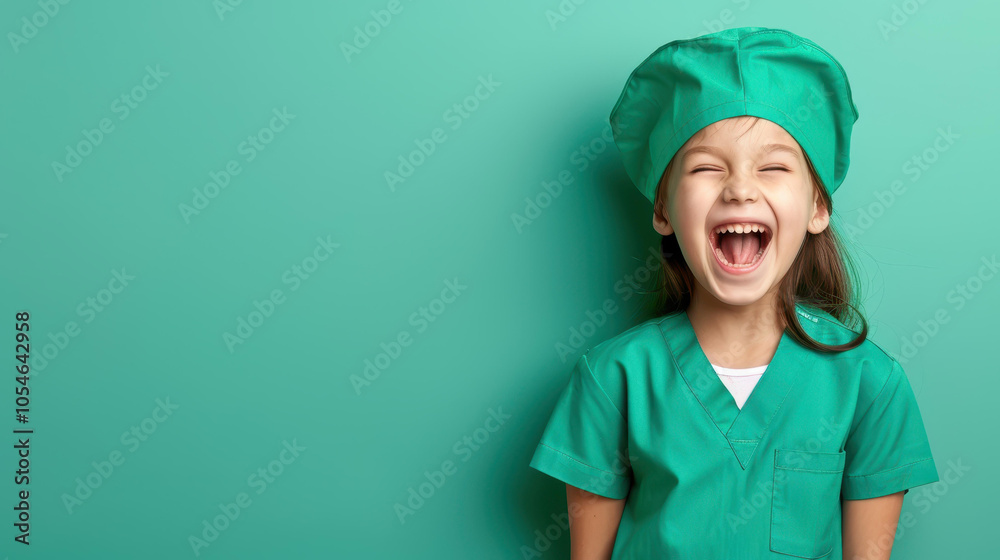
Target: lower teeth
[{"x": 753, "y": 261}]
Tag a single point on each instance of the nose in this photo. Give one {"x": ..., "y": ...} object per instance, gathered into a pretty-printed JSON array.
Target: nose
[{"x": 740, "y": 187}]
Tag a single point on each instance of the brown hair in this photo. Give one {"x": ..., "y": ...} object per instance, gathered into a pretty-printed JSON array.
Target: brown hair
[{"x": 818, "y": 277}]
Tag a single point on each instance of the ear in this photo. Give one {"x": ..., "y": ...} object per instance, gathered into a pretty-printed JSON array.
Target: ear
[
  {"x": 821, "y": 216},
  {"x": 661, "y": 224}
]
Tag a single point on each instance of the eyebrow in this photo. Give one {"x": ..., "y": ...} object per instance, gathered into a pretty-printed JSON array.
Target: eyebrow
[{"x": 766, "y": 149}]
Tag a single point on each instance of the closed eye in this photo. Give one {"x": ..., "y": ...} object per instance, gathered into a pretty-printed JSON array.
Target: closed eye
[{"x": 765, "y": 169}]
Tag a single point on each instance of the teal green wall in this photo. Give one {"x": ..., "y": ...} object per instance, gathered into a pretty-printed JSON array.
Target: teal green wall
[{"x": 469, "y": 304}]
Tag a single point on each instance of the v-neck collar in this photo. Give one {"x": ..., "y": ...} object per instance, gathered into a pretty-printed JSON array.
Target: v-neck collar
[{"x": 742, "y": 428}]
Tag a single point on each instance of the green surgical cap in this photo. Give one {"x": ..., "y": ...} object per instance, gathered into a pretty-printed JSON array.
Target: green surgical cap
[{"x": 773, "y": 74}]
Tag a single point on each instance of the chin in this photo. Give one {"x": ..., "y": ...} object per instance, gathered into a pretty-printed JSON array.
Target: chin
[
  {"x": 740, "y": 299},
  {"x": 738, "y": 295}
]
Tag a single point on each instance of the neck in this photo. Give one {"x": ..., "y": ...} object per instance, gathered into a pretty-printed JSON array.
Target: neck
[{"x": 736, "y": 336}]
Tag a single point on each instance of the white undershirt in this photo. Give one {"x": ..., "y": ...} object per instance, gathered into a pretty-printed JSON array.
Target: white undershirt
[{"x": 740, "y": 381}]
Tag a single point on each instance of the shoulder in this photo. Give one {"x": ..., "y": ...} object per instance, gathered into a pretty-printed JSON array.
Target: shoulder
[
  {"x": 626, "y": 355},
  {"x": 869, "y": 363},
  {"x": 631, "y": 345}
]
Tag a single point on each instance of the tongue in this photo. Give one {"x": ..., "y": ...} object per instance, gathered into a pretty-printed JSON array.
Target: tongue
[{"x": 740, "y": 248}]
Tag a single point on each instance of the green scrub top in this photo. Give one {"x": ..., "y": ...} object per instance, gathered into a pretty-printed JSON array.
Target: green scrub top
[{"x": 645, "y": 417}]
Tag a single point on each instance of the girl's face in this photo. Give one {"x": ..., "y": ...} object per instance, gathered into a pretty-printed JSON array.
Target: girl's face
[{"x": 728, "y": 175}]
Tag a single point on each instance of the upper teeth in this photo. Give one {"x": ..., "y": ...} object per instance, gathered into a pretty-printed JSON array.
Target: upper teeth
[{"x": 740, "y": 228}]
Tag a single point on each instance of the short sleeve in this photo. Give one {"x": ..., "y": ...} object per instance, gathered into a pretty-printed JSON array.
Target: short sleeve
[
  {"x": 585, "y": 443},
  {"x": 887, "y": 450}
]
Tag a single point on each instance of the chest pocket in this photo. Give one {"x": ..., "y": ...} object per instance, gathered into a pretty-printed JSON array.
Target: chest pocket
[{"x": 805, "y": 501}]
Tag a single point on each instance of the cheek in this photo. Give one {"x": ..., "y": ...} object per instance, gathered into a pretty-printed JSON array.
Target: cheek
[
  {"x": 691, "y": 207},
  {"x": 688, "y": 225},
  {"x": 792, "y": 231},
  {"x": 691, "y": 237},
  {"x": 790, "y": 199}
]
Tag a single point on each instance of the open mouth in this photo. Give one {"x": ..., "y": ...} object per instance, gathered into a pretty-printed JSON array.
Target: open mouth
[{"x": 740, "y": 246}]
